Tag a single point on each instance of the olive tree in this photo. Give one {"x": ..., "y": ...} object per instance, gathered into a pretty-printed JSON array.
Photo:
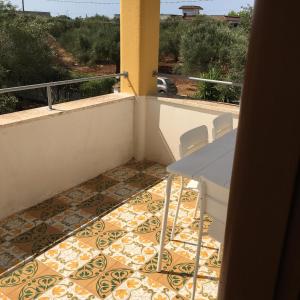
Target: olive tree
[{"x": 205, "y": 43}]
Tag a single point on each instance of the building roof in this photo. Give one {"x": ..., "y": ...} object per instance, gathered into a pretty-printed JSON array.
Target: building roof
[
  {"x": 37, "y": 13},
  {"x": 190, "y": 7},
  {"x": 225, "y": 18},
  {"x": 172, "y": 15}
]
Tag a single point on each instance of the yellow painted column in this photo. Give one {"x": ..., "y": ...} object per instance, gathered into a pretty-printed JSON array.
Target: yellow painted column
[
  {"x": 139, "y": 57},
  {"x": 139, "y": 45}
]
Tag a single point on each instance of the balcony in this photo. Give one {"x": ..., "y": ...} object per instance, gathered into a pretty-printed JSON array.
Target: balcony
[
  {"x": 49, "y": 248},
  {"x": 81, "y": 218}
]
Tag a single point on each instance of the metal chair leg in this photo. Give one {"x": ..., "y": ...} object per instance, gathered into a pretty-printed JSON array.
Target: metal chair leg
[
  {"x": 200, "y": 234},
  {"x": 198, "y": 200},
  {"x": 164, "y": 222},
  {"x": 177, "y": 209}
]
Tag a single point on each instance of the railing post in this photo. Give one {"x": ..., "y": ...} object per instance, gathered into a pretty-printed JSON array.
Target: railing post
[{"x": 49, "y": 96}]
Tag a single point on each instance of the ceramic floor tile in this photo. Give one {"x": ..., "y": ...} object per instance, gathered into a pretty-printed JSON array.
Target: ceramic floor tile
[
  {"x": 150, "y": 230},
  {"x": 116, "y": 256},
  {"x": 101, "y": 275},
  {"x": 7, "y": 259},
  {"x": 194, "y": 224},
  {"x": 121, "y": 191},
  {"x": 100, "y": 235},
  {"x": 77, "y": 195},
  {"x": 98, "y": 184},
  {"x": 142, "y": 180},
  {"x": 160, "y": 189},
  {"x": 140, "y": 165},
  {"x": 10, "y": 256},
  {"x": 126, "y": 219},
  {"x": 4, "y": 236},
  {"x": 131, "y": 251},
  {"x": 207, "y": 287},
  {"x": 68, "y": 256},
  {"x": 48, "y": 209},
  {"x": 184, "y": 239},
  {"x": 29, "y": 282},
  {"x": 98, "y": 204},
  {"x": 176, "y": 270},
  {"x": 69, "y": 220},
  {"x": 157, "y": 170},
  {"x": 66, "y": 290},
  {"x": 121, "y": 173},
  {"x": 146, "y": 202},
  {"x": 37, "y": 238},
  {"x": 139, "y": 286},
  {"x": 185, "y": 216},
  {"x": 189, "y": 251},
  {"x": 17, "y": 224},
  {"x": 4, "y": 297}
]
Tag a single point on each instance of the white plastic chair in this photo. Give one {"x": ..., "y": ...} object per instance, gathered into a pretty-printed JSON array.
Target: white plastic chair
[
  {"x": 222, "y": 125},
  {"x": 190, "y": 141}
]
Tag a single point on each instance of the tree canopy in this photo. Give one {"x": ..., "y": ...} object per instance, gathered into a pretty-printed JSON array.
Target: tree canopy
[
  {"x": 25, "y": 56},
  {"x": 203, "y": 46},
  {"x": 205, "y": 43},
  {"x": 92, "y": 40}
]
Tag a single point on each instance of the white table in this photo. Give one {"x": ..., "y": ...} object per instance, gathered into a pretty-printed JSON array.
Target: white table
[{"x": 212, "y": 166}]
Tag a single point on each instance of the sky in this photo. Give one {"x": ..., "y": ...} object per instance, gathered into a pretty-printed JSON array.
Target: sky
[{"x": 211, "y": 7}]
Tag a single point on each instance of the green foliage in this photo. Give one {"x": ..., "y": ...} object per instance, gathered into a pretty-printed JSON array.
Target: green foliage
[
  {"x": 91, "y": 40},
  {"x": 246, "y": 14},
  {"x": 205, "y": 43},
  {"x": 233, "y": 13},
  {"x": 170, "y": 38},
  {"x": 219, "y": 52},
  {"x": 178, "y": 69},
  {"x": 6, "y": 7},
  {"x": 229, "y": 94},
  {"x": 202, "y": 45},
  {"x": 8, "y": 104},
  {"x": 59, "y": 25},
  {"x": 214, "y": 91},
  {"x": 25, "y": 56},
  {"x": 96, "y": 88},
  {"x": 207, "y": 90},
  {"x": 238, "y": 56}
]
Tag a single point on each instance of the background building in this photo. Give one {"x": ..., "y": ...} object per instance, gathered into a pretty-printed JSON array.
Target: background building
[{"x": 190, "y": 10}]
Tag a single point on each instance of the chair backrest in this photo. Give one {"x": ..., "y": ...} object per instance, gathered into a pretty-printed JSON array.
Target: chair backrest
[
  {"x": 222, "y": 125},
  {"x": 193, "y": 140}
]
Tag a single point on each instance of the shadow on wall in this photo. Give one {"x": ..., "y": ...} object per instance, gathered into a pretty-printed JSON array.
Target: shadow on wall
[
  {"x": 167, "y": 121},
  {"x": 157, "y": 145}
]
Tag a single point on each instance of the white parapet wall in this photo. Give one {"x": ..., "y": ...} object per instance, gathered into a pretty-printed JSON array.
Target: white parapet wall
[
  {"x": 45, "y": 152},
  {"x": 167, "y": 119}
]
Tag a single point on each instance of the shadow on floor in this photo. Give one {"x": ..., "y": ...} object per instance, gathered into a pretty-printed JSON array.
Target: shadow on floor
[{"x": 30, "y": 232}]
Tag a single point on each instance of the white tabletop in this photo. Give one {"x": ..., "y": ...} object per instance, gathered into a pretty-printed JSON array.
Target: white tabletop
[{"x": 213, "y": 162}]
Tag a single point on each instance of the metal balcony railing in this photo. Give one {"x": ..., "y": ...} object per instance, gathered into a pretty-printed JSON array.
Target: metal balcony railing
[
  {"x": 238, "y": 86},
  {"x": 49, "y": 85},
  {"x": 216, "y": 81}
]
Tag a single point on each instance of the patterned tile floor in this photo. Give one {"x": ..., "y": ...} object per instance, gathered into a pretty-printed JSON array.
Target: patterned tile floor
[{"x": 113, "y": 257}]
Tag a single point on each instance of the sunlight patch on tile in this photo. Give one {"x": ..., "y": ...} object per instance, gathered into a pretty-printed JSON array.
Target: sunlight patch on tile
[{"x": 115, "y": 257}]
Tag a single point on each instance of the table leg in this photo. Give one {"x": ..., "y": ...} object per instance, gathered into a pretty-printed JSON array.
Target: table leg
[
  {"x": 164, "y": 222},
  {"x": 220, "y": 252},
  {"x": 177, "y": 209},
  {"x": 198, "y": 251}
]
